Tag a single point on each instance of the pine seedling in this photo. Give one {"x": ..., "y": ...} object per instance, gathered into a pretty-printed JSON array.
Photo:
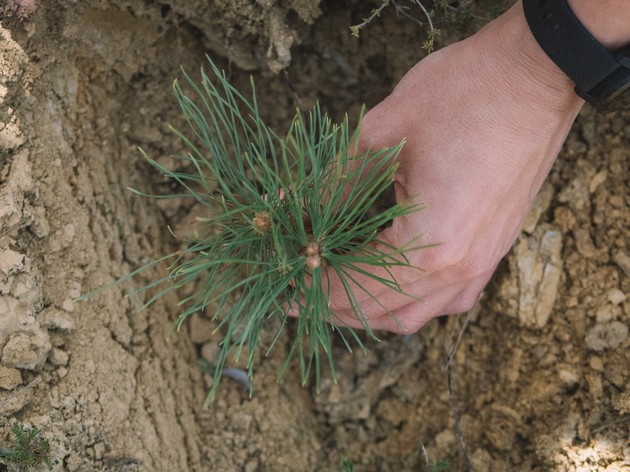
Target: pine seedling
[{"x": 284, "y": 212}]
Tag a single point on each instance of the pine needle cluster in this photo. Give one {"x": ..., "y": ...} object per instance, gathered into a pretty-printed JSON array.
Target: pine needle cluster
[{"x": 284, "y": 212}]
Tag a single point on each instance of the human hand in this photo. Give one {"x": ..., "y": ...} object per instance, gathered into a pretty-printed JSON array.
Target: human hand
[{"x": 483, "y": 120}]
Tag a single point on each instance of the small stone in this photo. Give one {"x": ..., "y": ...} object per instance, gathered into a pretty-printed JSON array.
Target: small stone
[
  {"x": 252, "y": 465},
  {"x": 9, "y": 378},
  {"x": 26, "y": 350},
  {"x": 616, "y": 296},
  {"x": 11, "y": 203},
  {"x": 39, "y": 225},
  {"x": 575, "y": 194},
  {"x": 540, "y": 206},
  {"x": 99, "y": 450},
  {"x": 12, "y": 402},
  {"x": 539, "y": 266},
  {"x": 59, "y": 357},
  {"x": 594, "y": 383},
  {"x": 606, "y": 336},
  {"x": 445, "y": 439},
  {"x": 200, "y": 329},
  {"x": 584, "y": 243},
  {"x": 564, "y": 218},
  {"x": 596, "y": 363},
  {"x": 69, "y": 231},
  {"x": 568, "y": 377},
  {"x": 11, "y": 262},
  {"x": 210, "y": 351},
  {"x": 597, "y": 180},
  {"x": 605, "y": 313},
  {"x": 21, "y": 171},
  {"x": 621, "y": 403},
  {"x": 623, "y": 261},
  {"x": 67, "y": 305},
  {"x": 56, "y": 319}
]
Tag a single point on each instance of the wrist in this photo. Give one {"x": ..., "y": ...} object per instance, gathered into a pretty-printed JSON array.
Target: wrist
[
  {"x": 607, "y": 20},
  {"x": 518, "y": 59}
]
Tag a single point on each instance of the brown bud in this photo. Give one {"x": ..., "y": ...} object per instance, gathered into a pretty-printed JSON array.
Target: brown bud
[
  {"x": 262, "y": 222},
  {"x": 312, "y": 249},
  {"x": 313, "y": 262}
]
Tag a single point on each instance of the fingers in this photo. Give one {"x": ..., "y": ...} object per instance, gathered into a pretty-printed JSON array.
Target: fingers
[{"x": 457, "y": 298}]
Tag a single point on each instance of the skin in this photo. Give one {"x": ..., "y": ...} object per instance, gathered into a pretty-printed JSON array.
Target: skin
[{"x": 484, "y": 120}]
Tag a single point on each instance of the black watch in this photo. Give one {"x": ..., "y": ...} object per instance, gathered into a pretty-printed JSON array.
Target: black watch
[{"x": 601, "y": 77}]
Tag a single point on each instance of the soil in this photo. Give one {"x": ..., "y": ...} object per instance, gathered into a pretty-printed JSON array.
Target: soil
[{"x": 541, "y": 378}]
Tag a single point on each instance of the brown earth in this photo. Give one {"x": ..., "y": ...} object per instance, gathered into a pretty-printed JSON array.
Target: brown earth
[{"x": 541, "y": 378}]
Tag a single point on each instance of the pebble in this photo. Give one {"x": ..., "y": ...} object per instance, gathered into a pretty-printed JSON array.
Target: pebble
[
  {"x": 606, "y": 336},
  {"x": 540, "y": 206},
  {"x": 596, "y": 363},
  {"x": 56, "y": 319},
  {"x": 597, "y": 180},
  {"x": 26, "y": 350},
  {"x": 200, "y": 329},
  {"x": 616, "y": 296},
  {"x": 539, "y": 264},
  {"x": 59, "y": 357},
  {"x": 11, "y": 262},
  {"x": 9, "y": 378},
  {"x": 623, "y": 261},
  {"x": 594, "y": 383}
]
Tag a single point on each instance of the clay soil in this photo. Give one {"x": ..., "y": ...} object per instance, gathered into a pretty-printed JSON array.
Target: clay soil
[{"x": 541, "y": 378}]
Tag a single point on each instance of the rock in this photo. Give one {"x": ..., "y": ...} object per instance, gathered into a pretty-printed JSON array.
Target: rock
[
  {"x": 596, "y": 363},
  {"x": 21, "y": 171},
  {"x": 576, "y": 193},
  {"x": 39, "y": 224},
  {"x": 12, "y": 402},
  {"x": 210, "y": 351},
  {"x": 11, "y": 262},
  {"x": 623, "y": 261},
  {"x": 59, "y": 357},
  {"x": 539, "y": 268},
  {"x": 15, "y": 316},
  {"x": 445, "y": 439},
  {"x": 564, "y": 218},
  {"x": 11, "y": 203},
  {"x": 26, "y": 350},
  {"x": 568, "y": 376},
  {"x": 606, "y": 336},
  {"x": 200, "y": 329},
  {"x": 621, "y": 403},
  {"x": 9, "y": 378},
  {"x": 541, "y": 204},
  {"x": 594, "y": 384},
  {"x": 56, "y": 319},
  {"x": 606, "y": 313},
  {"x": 597, "y": 180},
  {"x": 616, "y": 296},
  {"x": 584, "y": 243}
]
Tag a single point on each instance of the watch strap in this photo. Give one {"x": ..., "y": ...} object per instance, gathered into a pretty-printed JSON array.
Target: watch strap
[{"x": 568, "y": 43}]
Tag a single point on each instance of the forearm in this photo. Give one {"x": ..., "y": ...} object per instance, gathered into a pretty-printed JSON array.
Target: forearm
[{"x": 607, "y": 20}]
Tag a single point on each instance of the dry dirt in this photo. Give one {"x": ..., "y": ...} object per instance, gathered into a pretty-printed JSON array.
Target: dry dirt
[{"x": 542, "y": 375}]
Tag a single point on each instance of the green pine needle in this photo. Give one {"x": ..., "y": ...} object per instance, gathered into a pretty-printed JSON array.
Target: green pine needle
[{"x": 292, "y": 209}]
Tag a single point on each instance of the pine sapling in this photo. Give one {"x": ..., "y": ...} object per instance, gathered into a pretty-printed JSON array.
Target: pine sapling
[{"x": 284, "y": 212}]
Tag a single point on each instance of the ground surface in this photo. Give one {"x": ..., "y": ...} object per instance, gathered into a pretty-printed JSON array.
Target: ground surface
[{"x": 541, "y": 377}]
